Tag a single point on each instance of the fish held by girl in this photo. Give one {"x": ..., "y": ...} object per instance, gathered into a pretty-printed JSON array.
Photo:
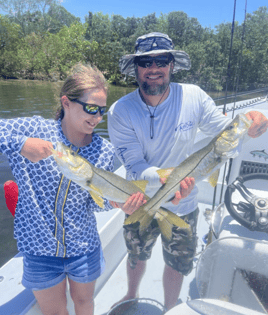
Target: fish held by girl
[{"x": 103, "y": 184}]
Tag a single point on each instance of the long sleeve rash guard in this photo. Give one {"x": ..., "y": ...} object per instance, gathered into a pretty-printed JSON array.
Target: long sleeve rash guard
[{"x": 177, "y": 120}]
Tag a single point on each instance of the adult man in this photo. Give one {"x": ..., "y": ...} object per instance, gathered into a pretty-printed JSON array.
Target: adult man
[{"x": 154, "y": 127}]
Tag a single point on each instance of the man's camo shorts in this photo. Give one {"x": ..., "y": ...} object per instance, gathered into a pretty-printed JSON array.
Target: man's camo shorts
[{"x": 178, "y": 252}]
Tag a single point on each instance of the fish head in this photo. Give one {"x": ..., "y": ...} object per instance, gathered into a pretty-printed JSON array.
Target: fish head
[
  {"x": 71, "y": 164},
  {"x": 229, "y": 138}
]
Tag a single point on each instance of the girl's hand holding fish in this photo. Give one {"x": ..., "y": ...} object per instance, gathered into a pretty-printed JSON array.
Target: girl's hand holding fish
[
  {"x": 35, "y": 149},
  {"x": 132, "y": 204},
  {"x": 259, "y": 125}
]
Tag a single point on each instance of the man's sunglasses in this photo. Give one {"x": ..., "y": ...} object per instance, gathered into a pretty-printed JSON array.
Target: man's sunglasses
[
  {"x": 146, "y": 61},
  {"x": 91, "y": 109}
]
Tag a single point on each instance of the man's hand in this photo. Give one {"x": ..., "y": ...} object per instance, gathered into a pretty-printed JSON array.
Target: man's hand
[
  {"x": 132, "y": 204},
  {"x": 35, "y": 149},
  {"x": 186, "y": 187},
  {"x": 259, "y": 125}
]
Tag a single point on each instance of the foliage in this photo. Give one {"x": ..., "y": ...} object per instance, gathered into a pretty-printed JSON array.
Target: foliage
[
  {"x": 38, "y": 15},
  {"x": 39, "y": 39},
  {"x": 10, "y": 41}
]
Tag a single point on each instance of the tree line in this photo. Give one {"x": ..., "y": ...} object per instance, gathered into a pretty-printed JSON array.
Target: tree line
[{"x": 40, "y": 39}]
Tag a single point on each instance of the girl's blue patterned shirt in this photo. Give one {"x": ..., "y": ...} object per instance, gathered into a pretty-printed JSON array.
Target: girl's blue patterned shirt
[{"x": 54, "y": 216}]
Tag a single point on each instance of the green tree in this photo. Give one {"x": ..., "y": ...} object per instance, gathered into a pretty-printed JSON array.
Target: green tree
[
  {"x": 105, "y": 56},
  {"x": 37, "y": 15},
  {"x": 254, "y": 66},
  {"x": 31, "y": 56},
  {"x": 88, "y": 21},
  {"x": 150, "y": 23},
  {"x": 177, "y": 24},
  {"x": 69, "y": 47},
  {"x": 10, "y": 41},
  {"x": 57, "y": 17},
  {"x": 101, "y": 27},
  {"x": 119, "y": 26}
]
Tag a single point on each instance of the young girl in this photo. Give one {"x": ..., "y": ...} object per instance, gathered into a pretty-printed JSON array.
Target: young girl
[{"x": 54, "y": 224}]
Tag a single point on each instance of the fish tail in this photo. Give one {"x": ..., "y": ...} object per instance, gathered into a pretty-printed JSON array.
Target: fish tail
[
  {"x": 167, "y": 220},
  {"x": 142, "y": 216}
]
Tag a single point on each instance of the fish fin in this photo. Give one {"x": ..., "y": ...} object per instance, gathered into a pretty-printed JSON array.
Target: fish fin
[
  {"x": 96, "y": 190},
  {"x": 213, "y": 178},
  {"x": 140, "y": 184},
  {"x": 96, "y": 197},
  {"x": 167, "y": 219},
  {"x": 164, "y": 172},
  {"x": 135, "y": 217},
  {"x": 164, "y": 225},
  {"x": 145, "y": 222},
  {"x": 142, "y": 216},
  {"x": 173, "y": 218}
]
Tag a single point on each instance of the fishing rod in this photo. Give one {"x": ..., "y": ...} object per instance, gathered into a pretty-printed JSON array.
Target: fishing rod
[
  {"x": 225, "y": 102},
  {"x": 237, "y": 82},
  {"x": 230, "y": 57},
  {"x": 226, "y": 86},
  {"x": 240, "y": 56}
]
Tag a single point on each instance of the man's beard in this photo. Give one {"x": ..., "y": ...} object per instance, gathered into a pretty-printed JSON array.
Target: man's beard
[{"x": 156, "y": 89}]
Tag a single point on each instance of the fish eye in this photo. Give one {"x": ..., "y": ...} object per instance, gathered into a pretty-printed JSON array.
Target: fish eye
[{"x": 73, "y": 153}]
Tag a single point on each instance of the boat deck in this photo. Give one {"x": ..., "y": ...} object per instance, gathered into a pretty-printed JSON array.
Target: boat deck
[{"x": 151, "y": 285}]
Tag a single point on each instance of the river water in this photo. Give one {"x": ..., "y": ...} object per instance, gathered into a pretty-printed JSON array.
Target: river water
[{"x": 28, "y": 98}]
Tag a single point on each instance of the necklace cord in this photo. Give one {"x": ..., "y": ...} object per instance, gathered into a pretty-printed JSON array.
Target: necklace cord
[{"x": 152, "y": 115}]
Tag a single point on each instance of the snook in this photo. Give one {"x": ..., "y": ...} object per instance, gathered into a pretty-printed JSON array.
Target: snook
[
  {"x": 201, "y": 164},
  {"x": 103, "y": 184}
]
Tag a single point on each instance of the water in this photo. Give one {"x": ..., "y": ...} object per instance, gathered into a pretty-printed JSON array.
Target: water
[{"x": 28, "y": 98}]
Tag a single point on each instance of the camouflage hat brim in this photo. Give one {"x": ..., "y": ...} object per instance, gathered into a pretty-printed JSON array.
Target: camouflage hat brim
[{"x": 181, "y": 61}]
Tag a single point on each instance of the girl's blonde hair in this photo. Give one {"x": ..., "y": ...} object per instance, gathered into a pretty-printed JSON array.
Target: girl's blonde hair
[{"x": 82, "y": 78}]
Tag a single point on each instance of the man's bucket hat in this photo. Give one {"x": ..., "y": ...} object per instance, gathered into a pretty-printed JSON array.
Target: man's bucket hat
[{"x": 154, "y": 43}]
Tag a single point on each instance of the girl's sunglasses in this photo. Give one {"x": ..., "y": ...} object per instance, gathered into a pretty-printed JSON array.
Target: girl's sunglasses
[
  {"x": 91, "y": 109},
  {"x": 146, "y": 61}
]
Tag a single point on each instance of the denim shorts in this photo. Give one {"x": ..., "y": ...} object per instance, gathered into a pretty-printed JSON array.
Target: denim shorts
[{"x": 43, "y": 272}]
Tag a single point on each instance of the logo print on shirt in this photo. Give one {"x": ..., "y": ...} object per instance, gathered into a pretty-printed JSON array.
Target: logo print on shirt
[
  {"x": 120, "y": 152},
  {"x": 185, "y": 126}
]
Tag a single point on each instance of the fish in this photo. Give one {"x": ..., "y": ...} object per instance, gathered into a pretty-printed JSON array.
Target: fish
[
  {"x": 260, "y": 153},
  {"x": 204, "y": 163},
  {"x": 104, "y": 184}
]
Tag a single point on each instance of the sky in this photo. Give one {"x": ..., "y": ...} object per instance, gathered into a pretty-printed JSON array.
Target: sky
[{"x": 208, "y": 12}]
